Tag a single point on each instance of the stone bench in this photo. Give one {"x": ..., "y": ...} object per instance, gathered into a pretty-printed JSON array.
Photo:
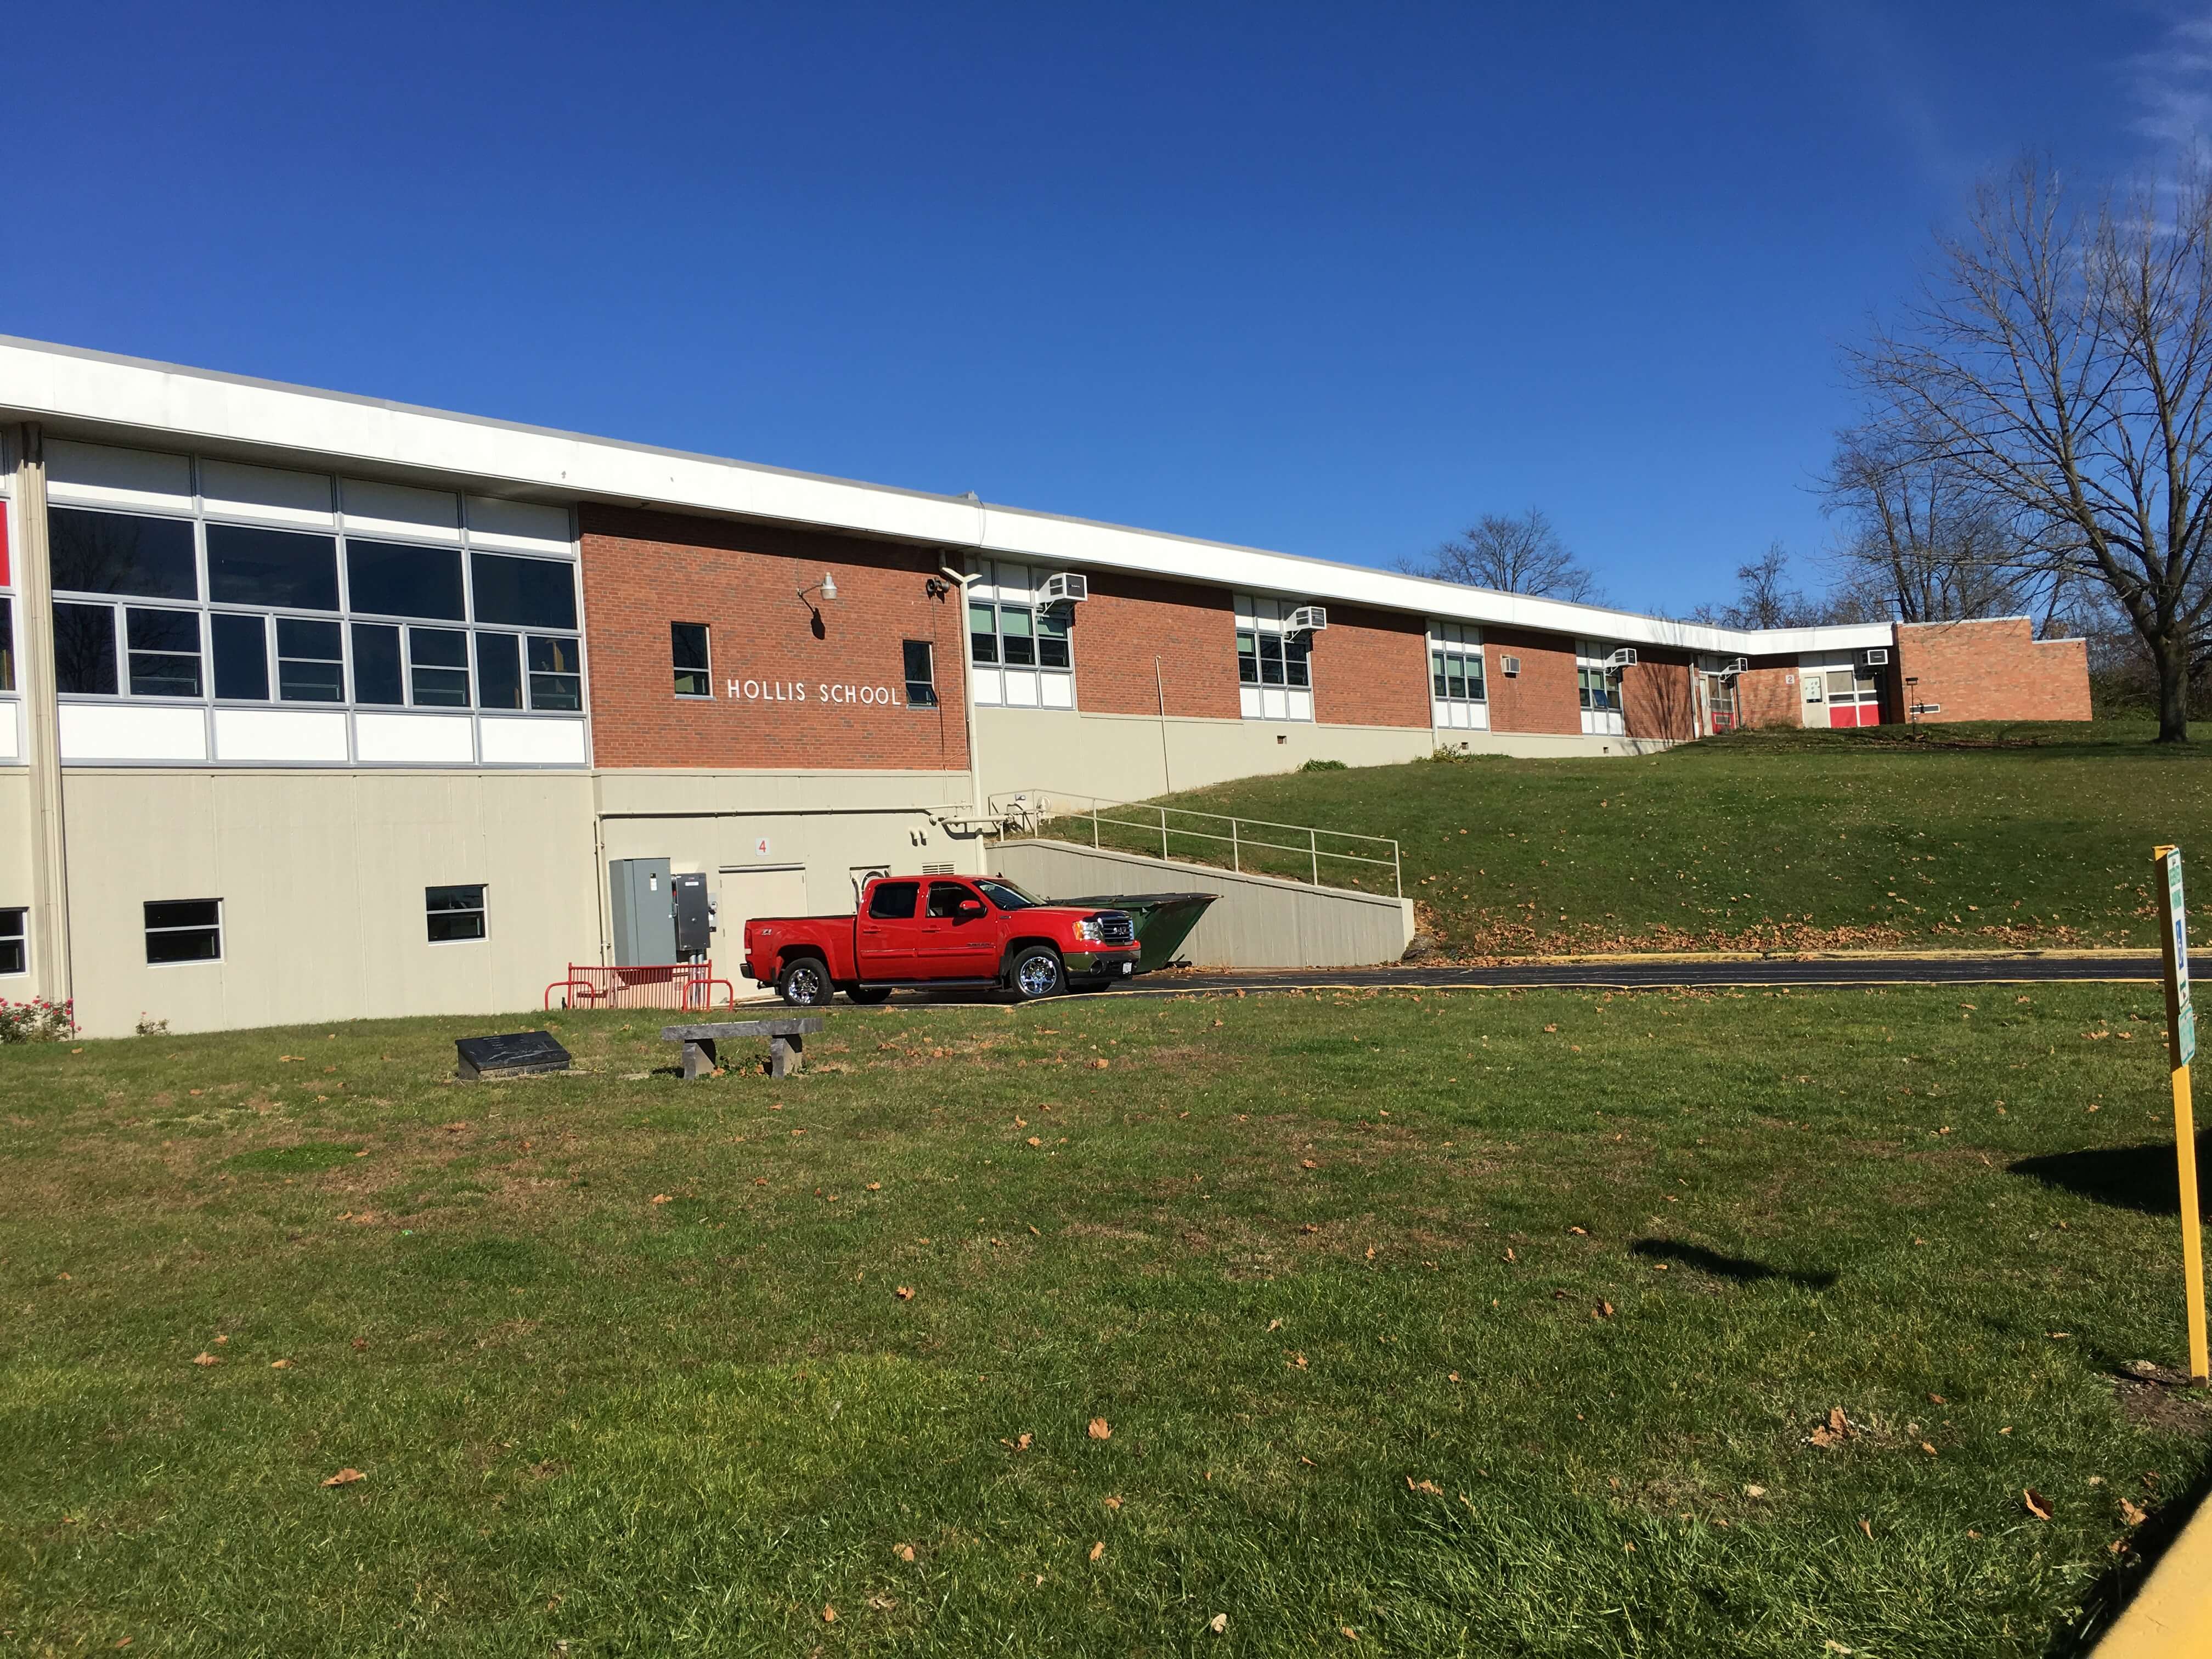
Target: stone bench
[{"x": 787, "y": 1042}]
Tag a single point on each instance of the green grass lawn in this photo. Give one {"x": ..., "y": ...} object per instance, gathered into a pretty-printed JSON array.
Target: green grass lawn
[
  {"x": 1476, "y": 1323},
  {"x": 1953, "y": 837}
]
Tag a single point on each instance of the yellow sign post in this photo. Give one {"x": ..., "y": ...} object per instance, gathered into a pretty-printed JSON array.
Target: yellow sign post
[{"x": 2181, "y": 1049}]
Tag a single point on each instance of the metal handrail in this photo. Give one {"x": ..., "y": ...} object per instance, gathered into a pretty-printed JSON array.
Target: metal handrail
[{"x": 1032, "y": 808}]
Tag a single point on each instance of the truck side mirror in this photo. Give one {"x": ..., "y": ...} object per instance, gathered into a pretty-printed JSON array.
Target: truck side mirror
[{"x": 968, "y": 907}]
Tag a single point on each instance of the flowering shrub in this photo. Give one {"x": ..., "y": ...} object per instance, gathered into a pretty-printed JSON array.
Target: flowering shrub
[{"x": 37, "y": 1020}]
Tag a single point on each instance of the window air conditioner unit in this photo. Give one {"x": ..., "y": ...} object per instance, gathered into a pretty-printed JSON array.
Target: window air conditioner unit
[
  {"x": 1306, "y": 619},
  {"x": 1509, "y": 666},
  {"x": 1624, "y": 658},
  {"x": 1877, "y": 657},
  {"x": 1065, "y": 589}
]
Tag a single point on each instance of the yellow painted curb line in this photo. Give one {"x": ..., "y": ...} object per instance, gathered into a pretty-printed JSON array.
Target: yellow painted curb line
[{"x": 2171, "y": 1617}]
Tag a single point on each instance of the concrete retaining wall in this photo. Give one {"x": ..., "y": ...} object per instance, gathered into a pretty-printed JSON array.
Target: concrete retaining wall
[{"x": 1258, "y": 922}]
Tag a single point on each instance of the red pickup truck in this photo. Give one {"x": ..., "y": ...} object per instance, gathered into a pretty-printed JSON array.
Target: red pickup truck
[{"x": 941, "y": 932}]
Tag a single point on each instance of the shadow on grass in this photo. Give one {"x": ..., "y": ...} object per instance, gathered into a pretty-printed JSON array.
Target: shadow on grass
[
  {"x": 2108, "y": 1595},
  {"x": 1741, "y": 1269},
  {"x": 2141, "y": 1178}
]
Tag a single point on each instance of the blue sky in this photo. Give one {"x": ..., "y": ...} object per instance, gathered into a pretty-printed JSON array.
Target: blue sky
[{"x": 1331, "y": 280}]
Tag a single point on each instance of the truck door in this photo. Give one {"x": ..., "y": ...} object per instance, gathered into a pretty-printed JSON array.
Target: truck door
[
  {"x": 886, "y": 933},
  {"x": 954, "y": 945}
]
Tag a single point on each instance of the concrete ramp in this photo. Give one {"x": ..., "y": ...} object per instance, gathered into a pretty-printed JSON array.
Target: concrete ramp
[{"x": 1260, "y": 921}]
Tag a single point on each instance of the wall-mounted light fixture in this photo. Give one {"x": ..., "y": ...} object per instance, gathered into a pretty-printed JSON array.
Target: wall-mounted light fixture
[{"x": 827, "y": 587}]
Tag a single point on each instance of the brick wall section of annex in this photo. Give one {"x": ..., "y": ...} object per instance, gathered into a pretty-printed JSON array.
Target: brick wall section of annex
[
  {"x": 1129, "y": 621},
  {"x": 1542, "y": 696},
  {"x": 1657, "y": 698},
  {"x": 644, "y": 570},
  {"x": 1371, "y": 668},
  {"x": 1995, "y": 670},
  {"x": 1767, "y": 693}
]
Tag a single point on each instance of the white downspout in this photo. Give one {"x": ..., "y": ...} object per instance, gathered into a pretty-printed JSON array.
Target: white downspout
[{"x": 962, "y": 582}]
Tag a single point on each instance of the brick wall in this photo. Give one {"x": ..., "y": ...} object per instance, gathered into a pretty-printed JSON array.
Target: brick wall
[
  {"x": 1658, "y": 698},
  {"x": 1994, "y": 670},
  {"x": 1542, "y": 697},
  {"x": 644, "y": 570},
  {"x": 1129, "y": 620},
  {"x": 1371, "y": 668},
  {"x": 1767, "y": 693}
]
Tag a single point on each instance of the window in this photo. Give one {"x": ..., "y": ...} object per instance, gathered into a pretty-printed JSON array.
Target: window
[
  {"x": 499, "y": 670},
  {"x": 1456, "y": 682},
  {"x": 524, "y": 593},
  {"x": 84, "y": 647},
  {"x": 392, "y": 580},
  {"x": 376, "y": 665},
  {"x": 184, "y": 930},
  {"x": 893, "y": 900},
  {"x": 1597, "y": 690},
  {"x": 687, "y": 644},
  {"x": 279, "y": 568},
  {"x": 1024, "y": 651},
  {"x": 241, "y": 655},
  {"x": 1274, "y": 666},
  {"x": 7, "y": 643},
  {"x": 15, "y": 942},
  {"x": 455, "y": 914},
  {"x": 310, "y": 660},
  {"x": 165, "y": 651},
  {"x": 921, "y": 674},
  {"x": 121, "y": 553},
  {"x": 945, "y": 898},
  {"x": 1006, "y": 894},
  {"x": 556, "y": 677},
  {"x": 438, "y": 667}
]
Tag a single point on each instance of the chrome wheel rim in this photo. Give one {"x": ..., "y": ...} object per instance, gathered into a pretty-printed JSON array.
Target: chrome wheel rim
[
  {"x": 805, "y": 985},
  {"x": 1038, "y": 976}
]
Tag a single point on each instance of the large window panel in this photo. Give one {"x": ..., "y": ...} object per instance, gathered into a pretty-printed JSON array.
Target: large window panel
[
  {"x": 376, "y": 676},
  {"x": 521, "y": 592},
  {"x": 310, "y": 660},
  {"x": 391, "y": 579},
  {"x": 165, "y": 651},
  {"x": 499, "y": 670},
  {"x": 438, "y": 667},
  {"x": 84, "y": 648},
  {"x": 122, "y": 553},
  {"x": 241, "y": 656},
  {"x": 184, "y": 930},
  {"x": 688, "y": 647},
  {"x": 556, "y": 676},
  {"x": 281, "y": 569},
  {"x": 7, "y": 643}
]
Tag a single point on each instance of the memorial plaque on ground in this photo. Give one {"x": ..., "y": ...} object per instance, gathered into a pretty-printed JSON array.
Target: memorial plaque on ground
[{"x": 518, "y": 1053}]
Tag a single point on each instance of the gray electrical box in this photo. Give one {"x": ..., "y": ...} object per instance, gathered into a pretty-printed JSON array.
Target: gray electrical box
[
  {"x": 643, "y": 911},
  {"x": 695, "y": 916}
]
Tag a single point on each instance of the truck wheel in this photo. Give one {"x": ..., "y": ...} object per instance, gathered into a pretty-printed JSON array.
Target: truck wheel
[
  {"x": 804, "y": 982},
  {"x": 1036, "y": 973},
  {"x": 868, "y": 995}
]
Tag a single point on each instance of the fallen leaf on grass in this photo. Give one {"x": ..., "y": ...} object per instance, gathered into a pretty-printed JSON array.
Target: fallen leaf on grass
[
  {"x": 2131, "y": 1515},
  {"x": 1098, "y": 1549},
  {"x": 1296, "y": 1362},
  {"x": 1603, "y": 1311},
  {"x": 203, "y": 1358},
  {"x": 1866, "y": 1526},
  {"x": 1309, "y": 1164},
  {"x": 1582, "y": 1231},
  {"x": 361, "y": 1345},
  {"x": 1936, "y": 1399},
  {"x": 1035, "y": 1141},
  {"x": 2038, "y": 1506},
  {"x": 1112, "y": 1503},
  {"x": 345, "y": 1478},
  {"x": 829, "y": 1614},
  {"x": 1453, "y": 1377},
  {"x": 280, "y": 1364},
  {"x": 905, "y": 1292},
  {"x": 1370, "y": 1253},
  {"x": 1428, "y": 1486},
  {"x": 1218, "y": 1623},
  {"x": 875, "y": 1186},
  {"x": 1274, "y": 1324},
  {"x": 1100, "y": 1065},
  {"x": 1929, "y": 1450},
  {"x": 662, "y": 1198},
  {"x": 904, "y": 1552},
  {"x": 1754, "y": 1491},
  {"x": 1100, "y": 1429},
  {"x": 760, "y": 1180}
]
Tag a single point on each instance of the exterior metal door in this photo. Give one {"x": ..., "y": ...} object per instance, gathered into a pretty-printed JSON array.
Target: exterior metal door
[{"x": 954, "y": 946}]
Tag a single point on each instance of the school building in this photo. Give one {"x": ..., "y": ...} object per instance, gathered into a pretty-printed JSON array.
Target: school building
[{"x": 315, "y": 707}]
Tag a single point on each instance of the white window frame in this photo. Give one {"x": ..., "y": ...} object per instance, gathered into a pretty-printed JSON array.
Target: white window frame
[
  {"x": 481, "y": 910},
  {"x": 707, "y": 628},
  {"x": 221, "y": 933},
  {"x": 20, "y": 937},
  {"x": 1450, "y": 641},
  {"x": 1591, "y": 676},
  {"x": 13, "y": 737},
  {"x": 1008, "y": 586},
  {"x": 1262, "y": 619}
]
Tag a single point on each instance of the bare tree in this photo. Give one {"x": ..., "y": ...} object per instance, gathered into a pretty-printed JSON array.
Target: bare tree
[
  {"x": 1923, "y": 541},
  {"x": 2061, "y": 362},
  {"x": 1517, "y": 554},
  {"x": 1765, "y": 598}
]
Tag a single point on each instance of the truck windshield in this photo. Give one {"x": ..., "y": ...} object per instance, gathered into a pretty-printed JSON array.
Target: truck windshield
[{"x": 1006, "y": 894}]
